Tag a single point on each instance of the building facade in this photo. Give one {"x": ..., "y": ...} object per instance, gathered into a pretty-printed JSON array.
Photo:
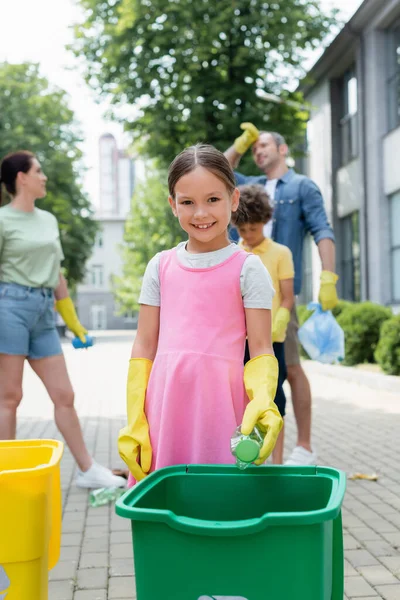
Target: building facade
[
  {"x": 353, "y": 141},
  {"x": 95, "y": 300}
]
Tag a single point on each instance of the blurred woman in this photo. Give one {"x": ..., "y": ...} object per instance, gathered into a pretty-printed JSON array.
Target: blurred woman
[{"x": 30, "y": 283}]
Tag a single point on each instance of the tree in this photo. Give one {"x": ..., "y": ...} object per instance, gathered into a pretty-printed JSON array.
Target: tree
[
  {"x": 35, "y": 116},
  {"x": 192, "y": 67},
  {"x": 150, "y": 228}
]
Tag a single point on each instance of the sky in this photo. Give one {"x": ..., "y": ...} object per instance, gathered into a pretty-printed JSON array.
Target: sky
[{"x": 38, "y": 31}]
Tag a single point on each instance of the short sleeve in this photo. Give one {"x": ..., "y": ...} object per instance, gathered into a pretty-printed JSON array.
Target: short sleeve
[
  {"x": 256, "y": 284},
  {"x": 150, "y": 292},
  {"x": 285, "y": 265}
]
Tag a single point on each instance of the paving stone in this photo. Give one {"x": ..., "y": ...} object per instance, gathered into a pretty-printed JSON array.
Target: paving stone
[
  {"x": 378, "y": 575},
  {"x": 357, "y": 586},
  {"x": 61, "y": 590},
  {"x": 121, "y": 588},
  {"x": 70, "y": 553},
  {"x": 121, "y": 550},
  {"x": 121, "y": 537},
  {"x": 95, "y": 578},
  {"x": 389, "y": 592},
  {"x": 64, "y": 569},
  {"x": 365, "y": 534},
  {"x": 90, "y": 595},
  {"x": 392, "y": 563},
  {"x": 96, "y": 545},
  {"x": 121, "y": 567},
  {"x": 91, "y": 560},
  {"x": 96, "y": 532},
  {"x": 361, "y": 558}
]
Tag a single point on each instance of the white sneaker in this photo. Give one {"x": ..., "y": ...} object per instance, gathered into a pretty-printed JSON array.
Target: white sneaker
[
  {"x": 99, "y": 477},
  {"x": 301, "y": 457}
]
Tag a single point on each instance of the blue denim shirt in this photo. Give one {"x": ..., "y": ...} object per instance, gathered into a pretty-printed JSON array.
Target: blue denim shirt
[{"x": 298, "y": 209}]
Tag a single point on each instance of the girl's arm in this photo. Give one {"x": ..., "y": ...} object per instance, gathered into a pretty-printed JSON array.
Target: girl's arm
[
  {"x": 287, "y": 293},
  {"x": 258, "y": 324},
  {"x": 146, "y": 341}
]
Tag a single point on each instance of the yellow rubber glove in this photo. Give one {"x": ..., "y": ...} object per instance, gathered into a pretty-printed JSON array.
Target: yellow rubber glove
[
  {"x": 250, "y": 135},
  {"x": 67, "y": 311},
  {"x": 327, "y": 292},
  {"x": 280, "y": 324},
  {"x": 260, "y": 381},
  {"x": 134, "y": 440}
]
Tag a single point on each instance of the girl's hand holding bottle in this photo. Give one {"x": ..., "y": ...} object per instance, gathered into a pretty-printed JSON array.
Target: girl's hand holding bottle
[{"x": 260, "y": 380}]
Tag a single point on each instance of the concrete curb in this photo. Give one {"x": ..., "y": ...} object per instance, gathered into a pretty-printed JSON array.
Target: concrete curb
[{"x": 378, "y": 381}]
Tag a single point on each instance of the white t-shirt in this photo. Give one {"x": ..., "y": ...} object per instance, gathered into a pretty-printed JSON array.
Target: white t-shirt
[
  {"x": 270, "y": 188},
  {"x": 255, "y": 281}
]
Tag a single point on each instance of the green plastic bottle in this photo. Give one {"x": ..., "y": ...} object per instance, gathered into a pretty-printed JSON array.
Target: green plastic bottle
[
  {"x": 104, "y": 496},
  {"x": 246, "y": 448}
]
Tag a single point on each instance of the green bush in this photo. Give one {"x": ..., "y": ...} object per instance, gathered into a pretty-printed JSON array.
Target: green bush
[
  {"x": 303, "y": 313},
  {"x": 340, "y": 307},
  {"x": 387, "y": 353},
  {"x": 361, "y": 324}
]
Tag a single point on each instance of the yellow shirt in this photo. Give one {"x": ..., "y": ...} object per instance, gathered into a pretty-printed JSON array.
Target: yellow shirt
[{"x": 279, "y": 262}]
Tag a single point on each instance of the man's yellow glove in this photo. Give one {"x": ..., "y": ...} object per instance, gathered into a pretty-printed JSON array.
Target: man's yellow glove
[
  {"x": 250, "y": 135},
  {"x": 327, "y": 292},
  {"x": 134, "y": 440},
  {"x": 260, "y": 381},
  {"x": 280, "y": 324},
  {"x": 67, "y": 311}
]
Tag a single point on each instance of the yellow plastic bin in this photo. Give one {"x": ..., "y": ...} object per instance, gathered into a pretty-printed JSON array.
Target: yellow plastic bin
[{"x": 30, "y": 516}]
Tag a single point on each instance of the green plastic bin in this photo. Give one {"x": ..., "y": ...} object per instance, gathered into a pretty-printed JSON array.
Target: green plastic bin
[{"x": 214, "y": 532}]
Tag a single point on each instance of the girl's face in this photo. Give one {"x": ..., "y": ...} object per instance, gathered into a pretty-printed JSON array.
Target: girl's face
[
  {"x": 204, "y": 206},
  {"x": 34, "y": 181}
]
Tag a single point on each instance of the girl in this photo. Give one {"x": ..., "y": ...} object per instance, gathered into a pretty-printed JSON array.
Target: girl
[
  {"x": 186, "y": 389},
  {"x": 30, "y": 280}
]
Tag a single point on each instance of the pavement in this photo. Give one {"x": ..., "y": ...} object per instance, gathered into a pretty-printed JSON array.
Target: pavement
[{"x": 356, "y": 427}]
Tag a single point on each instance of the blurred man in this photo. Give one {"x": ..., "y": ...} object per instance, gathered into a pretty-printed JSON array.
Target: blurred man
[{"x": 298, "y": 209}]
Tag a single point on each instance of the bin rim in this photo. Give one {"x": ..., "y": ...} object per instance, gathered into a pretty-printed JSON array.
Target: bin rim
[
  {"x": 56, "y": 445},
  {"x": 125, "y": 505}
]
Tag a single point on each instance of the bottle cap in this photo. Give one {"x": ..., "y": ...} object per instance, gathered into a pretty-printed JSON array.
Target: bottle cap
[{"x": 247, "y": 450}]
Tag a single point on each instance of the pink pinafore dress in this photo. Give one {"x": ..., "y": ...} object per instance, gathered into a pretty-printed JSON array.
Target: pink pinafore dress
[{"x": 196, "y": 397}]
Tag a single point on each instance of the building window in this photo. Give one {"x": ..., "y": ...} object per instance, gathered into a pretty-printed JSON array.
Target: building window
[
  {"x": 349, "y": 121},
  {"x": 395, "y": 245},
  {"x": 350, "y": 274},
  {"x": 97, "y": 275},
  {"x": 393, "y": 86},
  {"x": 99, "y": 239},
  {"x": 98, "y": 316}
]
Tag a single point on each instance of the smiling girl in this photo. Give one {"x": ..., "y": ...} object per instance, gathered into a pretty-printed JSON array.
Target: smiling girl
[{"x": 187, "y": 389}]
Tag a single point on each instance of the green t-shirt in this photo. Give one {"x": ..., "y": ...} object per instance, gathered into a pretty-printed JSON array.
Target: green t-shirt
[{"x": 30, "y": 248}]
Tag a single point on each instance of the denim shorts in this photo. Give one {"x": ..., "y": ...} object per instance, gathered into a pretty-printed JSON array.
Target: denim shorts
[{"x": 27, "y": 321}]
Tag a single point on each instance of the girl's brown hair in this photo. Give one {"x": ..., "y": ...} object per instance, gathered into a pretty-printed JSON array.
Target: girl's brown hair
[
  {"x": 200, "y": 155},
  {"x": 11, "y": 165}
]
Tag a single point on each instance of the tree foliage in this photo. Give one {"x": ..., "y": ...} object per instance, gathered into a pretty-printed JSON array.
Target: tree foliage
[
  {"x": 192, "y": 67},
  {"x": 150, "y": 228},
  {"x": 35, "y": 116}
]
